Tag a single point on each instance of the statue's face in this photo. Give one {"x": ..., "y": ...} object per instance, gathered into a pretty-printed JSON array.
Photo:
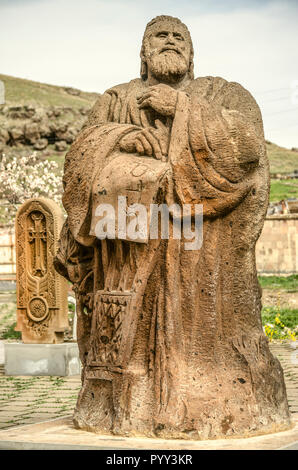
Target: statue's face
[
  {"x": 167, "y": 51},
  {"x": 169, "y": 38}
]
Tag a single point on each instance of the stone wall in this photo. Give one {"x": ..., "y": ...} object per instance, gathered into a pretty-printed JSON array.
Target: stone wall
[
  {"x": 276, "y": 250},
  {"x": 277, "y": 247}
]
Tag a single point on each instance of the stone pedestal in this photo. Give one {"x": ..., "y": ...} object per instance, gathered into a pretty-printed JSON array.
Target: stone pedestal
[{"x": 42, "y": 359}]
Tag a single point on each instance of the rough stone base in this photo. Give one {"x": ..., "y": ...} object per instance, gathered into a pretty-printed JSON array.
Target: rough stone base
[
  {"x": 60, "y": 434},
  {"x": 42, "y": 359}
]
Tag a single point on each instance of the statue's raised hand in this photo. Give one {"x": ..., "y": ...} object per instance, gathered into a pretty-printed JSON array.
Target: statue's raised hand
[
  {"x": 162, "y": 98},
  {"x": 150, "y": 141}
]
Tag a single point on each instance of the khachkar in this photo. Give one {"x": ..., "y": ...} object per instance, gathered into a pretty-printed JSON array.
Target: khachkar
[
  {"x": 171, "y": 339},
  {"x": 42, "y": 310}
]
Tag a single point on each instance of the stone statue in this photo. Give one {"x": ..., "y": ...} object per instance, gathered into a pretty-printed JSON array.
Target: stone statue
[
  {"x": 42, "y": 310},
  {"x": 171, "y": 339}
]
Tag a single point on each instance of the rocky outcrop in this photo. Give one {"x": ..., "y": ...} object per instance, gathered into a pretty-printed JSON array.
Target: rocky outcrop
[
  {"x": 61, "y": 146},
  {"x": 29, "y": 125}
]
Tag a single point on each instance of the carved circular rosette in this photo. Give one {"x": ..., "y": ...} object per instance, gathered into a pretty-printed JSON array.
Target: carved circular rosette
[{"x": 38, "y": 309}]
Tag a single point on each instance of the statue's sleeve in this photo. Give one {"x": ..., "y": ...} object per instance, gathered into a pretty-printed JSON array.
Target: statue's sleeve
[
  {"x": 215, "y": 148},
  {"x": 99, "y": 114},
  {"x": 229, "y": 129}
]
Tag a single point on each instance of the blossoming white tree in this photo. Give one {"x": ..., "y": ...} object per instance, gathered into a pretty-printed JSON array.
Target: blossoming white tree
[{"x": 24, "y": 178}]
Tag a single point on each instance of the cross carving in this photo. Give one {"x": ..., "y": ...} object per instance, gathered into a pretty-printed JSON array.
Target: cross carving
[{"x": 37, "y": 235}]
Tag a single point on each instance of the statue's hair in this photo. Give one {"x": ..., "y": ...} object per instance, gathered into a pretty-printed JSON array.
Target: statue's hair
[{"x": 154, "y": 21}]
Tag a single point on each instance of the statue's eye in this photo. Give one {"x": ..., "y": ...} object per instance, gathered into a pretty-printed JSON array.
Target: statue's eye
[
  {"x": 162, "y": 35},
  {"x": 178, "y": 36}
]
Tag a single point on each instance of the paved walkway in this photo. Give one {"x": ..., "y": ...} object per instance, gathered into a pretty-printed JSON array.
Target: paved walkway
[
  {"x": 287, "y": 353},
  {"x": 29, "y": 400}
]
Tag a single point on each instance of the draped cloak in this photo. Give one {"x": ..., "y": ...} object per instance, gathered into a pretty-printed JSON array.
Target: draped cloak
[{"x": 194, "y": 359}]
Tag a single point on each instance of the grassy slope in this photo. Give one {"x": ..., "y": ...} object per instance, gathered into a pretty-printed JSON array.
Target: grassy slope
[
  {"x": 282, "y": 160},
  {"x": 21, "y": 91}
]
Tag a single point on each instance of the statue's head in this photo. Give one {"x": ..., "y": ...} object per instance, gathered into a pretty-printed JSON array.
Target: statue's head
[{"x": 167, "y": 50}]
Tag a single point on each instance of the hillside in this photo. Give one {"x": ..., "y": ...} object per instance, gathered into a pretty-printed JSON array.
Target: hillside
[
  {"x": 41, "y": 117},
  {"x": 282, "y": 160},
  {"x": 19, "y": 91}
]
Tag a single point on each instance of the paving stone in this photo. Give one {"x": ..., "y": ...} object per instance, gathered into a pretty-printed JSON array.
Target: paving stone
[
  {"x": 13, "y": 406},
  {"x": 11, "y": 414}
]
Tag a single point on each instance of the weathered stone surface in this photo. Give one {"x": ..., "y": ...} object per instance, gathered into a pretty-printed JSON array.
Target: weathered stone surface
[
  {"x": 61, "y": 146},
  {"x": 26, "y": 124},
  {"x": 171, "y": 339},
  {"x": 60, "y": 130},
  {"x": 44, "y": 128},
  {"x": 40, "y": 144},
  {"x": 4, "y": 136},
  {"x": 72, "y": 91},
  {"x": 42, "y": 310},
  {"x": 84, "y": 111},
  {"x": 16, "y": 133},
  {"x": 69, "y": 135},
  {"x": 20, "y": 112},
  {"x": 32, "y": 133}
]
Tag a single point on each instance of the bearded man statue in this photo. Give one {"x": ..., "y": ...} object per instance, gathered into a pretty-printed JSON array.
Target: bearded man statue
[{"x": 171, "y": 339}]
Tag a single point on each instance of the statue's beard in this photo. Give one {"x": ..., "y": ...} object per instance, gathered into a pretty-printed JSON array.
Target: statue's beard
[{"x": 168, "y": 66}]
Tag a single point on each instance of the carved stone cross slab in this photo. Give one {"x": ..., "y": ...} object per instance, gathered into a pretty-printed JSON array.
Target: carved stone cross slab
[{"x": 42, "y": 313}]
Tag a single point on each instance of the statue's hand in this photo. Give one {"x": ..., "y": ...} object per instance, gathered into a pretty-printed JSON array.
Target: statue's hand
[
  {"x": 128, "y": 142},
  {"x": 151, "y": 141},
  {"x": 162, "y": 98}
]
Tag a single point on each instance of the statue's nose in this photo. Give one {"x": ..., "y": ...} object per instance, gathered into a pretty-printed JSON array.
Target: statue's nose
[{"x": 170, "y": 39}]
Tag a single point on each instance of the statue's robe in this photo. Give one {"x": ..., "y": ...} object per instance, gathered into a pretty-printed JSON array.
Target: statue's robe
[{"x": 188, "y": 357}]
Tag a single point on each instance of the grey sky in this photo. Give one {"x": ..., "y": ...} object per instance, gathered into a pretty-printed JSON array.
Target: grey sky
[{"x": 94, "y": 44}]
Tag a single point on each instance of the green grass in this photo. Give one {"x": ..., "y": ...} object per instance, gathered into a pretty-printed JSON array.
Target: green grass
[
  {"x": 280, "y": 323},
  {"x": 7, "y": 314},
  {"x": 284, "y": 189},
  {"x": 10, "y": 333},
  {"x": 8, "y": 321},
  {"x": 57, "y": 381},
  {"x": 289, "y": 317},
  {"x": 288, "y": 283}
]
